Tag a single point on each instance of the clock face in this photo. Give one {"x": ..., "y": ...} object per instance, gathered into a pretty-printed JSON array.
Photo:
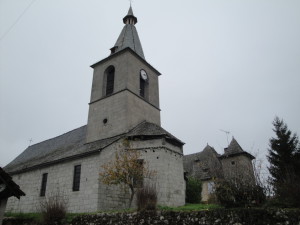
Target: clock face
[
  {"x": 2, "y": 187},
  {"x": 144, "y": 75}
]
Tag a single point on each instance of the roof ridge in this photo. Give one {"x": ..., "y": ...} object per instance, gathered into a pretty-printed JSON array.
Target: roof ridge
[
  {"x": 156, "y": 126},
  {"x": 144, "y": 121},
  {"x": 116, "y": 136}
]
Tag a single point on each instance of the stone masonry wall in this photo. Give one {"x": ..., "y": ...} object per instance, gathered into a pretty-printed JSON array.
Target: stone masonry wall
[
  {"x": 238, "y": 167},
  {"x": 167, "y": 160},
  {"x": 125, "y": 108},
  {"x": 212, "y": 217},
  {"x": 169, "y": 179},
  {"x": 60, "y": 180},
  {"x": 123, "y": 112}
]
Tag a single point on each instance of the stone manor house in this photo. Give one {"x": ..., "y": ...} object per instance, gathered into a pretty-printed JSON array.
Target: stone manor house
[{"x": 124, "y": 105}]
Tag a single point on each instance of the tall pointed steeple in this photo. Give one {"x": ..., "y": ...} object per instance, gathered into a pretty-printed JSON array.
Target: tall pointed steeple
[
  {"x": 125, "y": 88},
  {"x": 129, "y": 36}
]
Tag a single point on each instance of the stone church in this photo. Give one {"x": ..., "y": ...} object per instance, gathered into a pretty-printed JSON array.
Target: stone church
[{"x": 124, "y": 104}]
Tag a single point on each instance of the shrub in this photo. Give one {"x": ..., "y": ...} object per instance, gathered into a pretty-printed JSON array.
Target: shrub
[
  {"x": 146, "y": 198},
  {"x": 239, "y": 194},
  {"x": 193, "y": 190},
  {"x": 54, "y": 210}
]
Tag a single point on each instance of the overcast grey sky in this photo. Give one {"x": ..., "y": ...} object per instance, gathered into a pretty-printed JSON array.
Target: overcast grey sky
[{"x": 232, "y": 65}]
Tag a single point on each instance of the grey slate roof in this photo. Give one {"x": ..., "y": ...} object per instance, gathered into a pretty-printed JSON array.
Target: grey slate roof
[
  {"x": 129, "y": 38},
  {"x": 234, "y": 149},
  {"x": 130, "y": 12},
  {"x": 150, "y": 129},
  {"x": 52, "y": 150},
  {"x": 72, "y": 145},
  {"x": 203, "y": 165}
]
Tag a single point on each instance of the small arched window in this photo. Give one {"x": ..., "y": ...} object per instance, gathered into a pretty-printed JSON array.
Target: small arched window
[
  {"x": 144, "y": 81},
  {"x": 110, "y": 79}
]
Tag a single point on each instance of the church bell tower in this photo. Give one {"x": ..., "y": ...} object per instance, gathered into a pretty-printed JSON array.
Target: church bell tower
[{"x": 124, "y": 89}]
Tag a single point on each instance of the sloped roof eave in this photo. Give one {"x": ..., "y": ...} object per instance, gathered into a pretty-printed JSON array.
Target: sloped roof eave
[
  {"x": 121, "y": 52},
  {"x": 159, "y": 136},
  {"x": 71, "y": 145},
  {"x": 236, "y": 154}
]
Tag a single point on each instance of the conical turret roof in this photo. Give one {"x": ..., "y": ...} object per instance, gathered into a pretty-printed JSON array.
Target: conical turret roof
[{"x": 235, "y": 149}]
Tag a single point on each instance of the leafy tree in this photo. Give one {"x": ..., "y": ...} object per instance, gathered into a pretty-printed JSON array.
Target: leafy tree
[
  {"x": 126, "y": 169},
  {"x": 284, "y": 159}
]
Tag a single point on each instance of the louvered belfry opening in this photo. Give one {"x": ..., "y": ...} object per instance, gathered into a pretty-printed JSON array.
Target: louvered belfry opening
[
  {"x": 110, "y": 79},
  {"x": 142, "y": 87}
]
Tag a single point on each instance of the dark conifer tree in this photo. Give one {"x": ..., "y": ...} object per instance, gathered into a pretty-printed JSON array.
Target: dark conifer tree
[{"x": 284, "y": 159}]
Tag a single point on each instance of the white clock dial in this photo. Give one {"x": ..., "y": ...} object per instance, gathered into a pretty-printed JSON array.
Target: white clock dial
[
  {"x": 2, "y": 187},
  {"x": 144, "y": 75}
]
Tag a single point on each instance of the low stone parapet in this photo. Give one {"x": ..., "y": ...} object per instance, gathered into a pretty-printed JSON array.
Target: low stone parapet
[{"x": 207, "y": 217}]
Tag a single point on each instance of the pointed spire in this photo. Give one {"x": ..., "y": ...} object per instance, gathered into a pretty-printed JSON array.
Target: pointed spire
[
  {"x": 130, "y": 12},
  {"x": 234, "y": 149},
  {"x": 129, "y": 36},
  {"x": 130, "y": 18}
]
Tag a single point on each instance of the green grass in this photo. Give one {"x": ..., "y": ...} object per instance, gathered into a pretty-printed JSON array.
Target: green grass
[
  {"x": 34, "y": 216},
  {"x": 190, "y": 207}
]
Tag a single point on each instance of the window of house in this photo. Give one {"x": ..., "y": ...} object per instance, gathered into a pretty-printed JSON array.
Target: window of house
[
  {"x": 211, "y": 187},
  {"x": 44, "y": 184},
  {"x": 110, "y": 79},
  {"x": 76, "y": 178}
]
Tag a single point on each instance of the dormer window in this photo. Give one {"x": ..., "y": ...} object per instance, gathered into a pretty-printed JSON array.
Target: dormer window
[{"x": 113, "y": 49}]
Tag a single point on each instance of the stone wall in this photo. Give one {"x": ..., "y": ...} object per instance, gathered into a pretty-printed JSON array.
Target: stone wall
[
  {"x": 123, "y": 111},
  {"x": 162, "y": 157},
  {"x": 167, "y": 160},
  {"x": 213, "y": 217},
  {"x": 60, "y": 181},
  {"x": 125, "y": 108},
  {"x": 238, "y": 167}
]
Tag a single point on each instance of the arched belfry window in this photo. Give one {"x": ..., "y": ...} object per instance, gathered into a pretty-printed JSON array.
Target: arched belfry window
[
  {"x": 144, "y": 81},
  {"x": 142, "y": 87},
  {"x": 109, "y": 80}
]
